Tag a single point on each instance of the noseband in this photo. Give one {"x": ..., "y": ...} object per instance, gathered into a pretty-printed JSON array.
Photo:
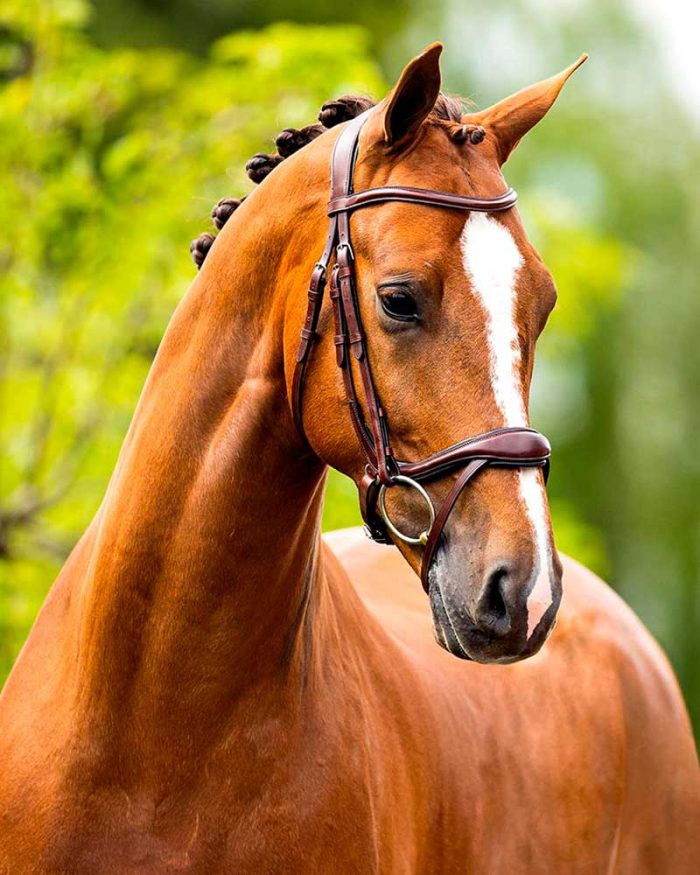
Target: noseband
[{"x": 502, "y": 447}]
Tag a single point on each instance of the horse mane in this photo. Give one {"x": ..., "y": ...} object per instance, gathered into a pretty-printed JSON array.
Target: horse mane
[{"x": 448, "y": 110}]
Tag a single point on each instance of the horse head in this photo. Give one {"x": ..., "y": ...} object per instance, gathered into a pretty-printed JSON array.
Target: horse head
[{"x": 450, "y": 304}]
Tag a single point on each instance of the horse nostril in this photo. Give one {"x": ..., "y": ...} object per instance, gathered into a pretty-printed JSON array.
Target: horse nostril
[{"x": 492, "y": 612}]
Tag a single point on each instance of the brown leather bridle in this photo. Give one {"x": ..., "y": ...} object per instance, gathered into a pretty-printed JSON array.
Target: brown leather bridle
[{"x": 502, "y": 447}]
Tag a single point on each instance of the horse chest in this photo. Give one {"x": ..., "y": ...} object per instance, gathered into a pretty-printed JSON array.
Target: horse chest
[{"x": 309, "y": 810}]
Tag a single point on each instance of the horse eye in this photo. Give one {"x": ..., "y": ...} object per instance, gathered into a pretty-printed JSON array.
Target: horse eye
[{"x": 400, "y": 305}]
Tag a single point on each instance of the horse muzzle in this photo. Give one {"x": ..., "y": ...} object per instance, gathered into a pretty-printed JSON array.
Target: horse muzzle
[{"x": 491, "y": 621}]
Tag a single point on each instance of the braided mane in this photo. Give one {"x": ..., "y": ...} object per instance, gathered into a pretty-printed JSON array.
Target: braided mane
[{"x": 448, "y": 110}]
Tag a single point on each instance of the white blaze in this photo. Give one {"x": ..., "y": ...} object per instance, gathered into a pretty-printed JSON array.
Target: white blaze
[{"x": 492, "y": 260}]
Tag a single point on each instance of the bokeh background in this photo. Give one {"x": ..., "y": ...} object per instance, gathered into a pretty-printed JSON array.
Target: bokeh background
[{"x": 123, "y": 121}]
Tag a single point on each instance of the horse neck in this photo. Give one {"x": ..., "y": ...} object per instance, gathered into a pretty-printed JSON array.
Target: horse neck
[{"x": 203, "y": 570}]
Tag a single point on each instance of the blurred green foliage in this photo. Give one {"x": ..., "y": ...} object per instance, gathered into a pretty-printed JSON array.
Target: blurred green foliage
[{"x": 120, "y": 130}]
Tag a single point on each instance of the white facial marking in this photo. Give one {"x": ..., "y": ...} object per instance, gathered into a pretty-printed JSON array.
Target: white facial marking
[
  {"x": 492, "y": 260},
  {"x": 540, "y": 597}
]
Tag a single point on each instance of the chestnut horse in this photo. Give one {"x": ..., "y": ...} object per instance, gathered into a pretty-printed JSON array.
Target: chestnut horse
[{"x": 211, "y": 687}]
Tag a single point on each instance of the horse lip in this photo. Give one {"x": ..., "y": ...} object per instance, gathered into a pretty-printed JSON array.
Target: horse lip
[{"x": 447, "y": 638}]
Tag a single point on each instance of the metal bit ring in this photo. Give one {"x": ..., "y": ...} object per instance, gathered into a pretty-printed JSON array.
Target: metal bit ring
[{"x": 413, "y": 484}]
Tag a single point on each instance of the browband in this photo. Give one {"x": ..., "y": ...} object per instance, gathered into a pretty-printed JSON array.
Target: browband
[{"x": 425, "y": 196}]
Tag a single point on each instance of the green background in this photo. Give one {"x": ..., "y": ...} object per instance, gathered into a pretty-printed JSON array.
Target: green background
[{"x": 124, "y": 121}]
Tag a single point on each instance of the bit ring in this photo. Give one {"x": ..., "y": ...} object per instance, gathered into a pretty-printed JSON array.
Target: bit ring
[{"x": 413, "y": 484}]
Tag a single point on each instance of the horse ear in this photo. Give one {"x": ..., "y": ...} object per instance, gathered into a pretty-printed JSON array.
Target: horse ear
[
  {"x": 513, "y": 117},
  {"x": 413, "y": 96}
]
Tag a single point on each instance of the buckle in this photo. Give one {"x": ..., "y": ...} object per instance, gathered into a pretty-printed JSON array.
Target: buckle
[{"x": 350, "y": 254}]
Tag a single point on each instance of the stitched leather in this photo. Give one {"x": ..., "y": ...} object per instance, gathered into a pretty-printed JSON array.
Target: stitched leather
[
  {"x": 504, "y": 447},
  {"x": 425, "y": 196},
  {"x": 500, "y": 446}
]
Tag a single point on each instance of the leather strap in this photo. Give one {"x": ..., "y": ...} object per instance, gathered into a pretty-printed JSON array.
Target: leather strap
[
  {"x": 512, "y": 447},
  {"x": 502, "y": 448},
  {"x": 342, "y": 166},
  {"x": 425, "y": 196},
  {"x": 442, "y": 515}
]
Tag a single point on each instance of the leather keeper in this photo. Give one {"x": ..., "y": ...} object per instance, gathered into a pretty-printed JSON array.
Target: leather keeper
[{"x": 339, "y": 341}]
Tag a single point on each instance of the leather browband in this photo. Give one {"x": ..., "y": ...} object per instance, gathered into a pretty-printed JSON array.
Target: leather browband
[
  {"x": 502, "y": 447},
  {"x": 424, "y": 196}
]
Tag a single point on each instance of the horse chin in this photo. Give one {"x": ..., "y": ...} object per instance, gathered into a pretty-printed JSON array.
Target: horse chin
[{"x": 462, "y": 639}]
